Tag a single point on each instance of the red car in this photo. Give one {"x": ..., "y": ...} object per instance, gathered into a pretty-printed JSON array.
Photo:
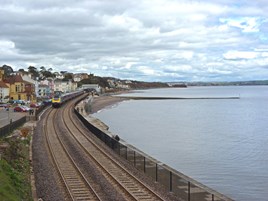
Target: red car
[
  {"x": 35, "y": 105},
  {"x": 19, "y": 109}
]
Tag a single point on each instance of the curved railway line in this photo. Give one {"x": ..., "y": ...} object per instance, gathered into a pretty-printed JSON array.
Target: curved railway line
[
  {"x": 61, "y": 125},
  {"x": 75, "y": 182}
]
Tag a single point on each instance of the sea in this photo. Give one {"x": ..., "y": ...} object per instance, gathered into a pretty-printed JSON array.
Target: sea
[{"x": 222, "y": 143}]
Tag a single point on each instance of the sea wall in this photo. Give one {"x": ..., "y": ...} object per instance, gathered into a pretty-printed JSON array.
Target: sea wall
[{"x": 174, "y": 181}]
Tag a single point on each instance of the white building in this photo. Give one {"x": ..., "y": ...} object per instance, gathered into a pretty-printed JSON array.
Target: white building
[
  {"x": 92, "y": 86},
  {"x": 64, "y": 86},
  {"x": 4, "y": 92}
]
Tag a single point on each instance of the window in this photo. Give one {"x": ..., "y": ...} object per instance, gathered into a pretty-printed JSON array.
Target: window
[{"x": 17, "y": 88}]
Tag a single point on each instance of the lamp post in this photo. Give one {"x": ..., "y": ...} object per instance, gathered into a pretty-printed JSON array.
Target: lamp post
[
  {"x": 1, "y": 94},
  {"x": 9, "y": 119}
]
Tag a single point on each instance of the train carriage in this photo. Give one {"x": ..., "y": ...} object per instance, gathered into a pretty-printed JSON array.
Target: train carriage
[{"x": 60, "y": 98}]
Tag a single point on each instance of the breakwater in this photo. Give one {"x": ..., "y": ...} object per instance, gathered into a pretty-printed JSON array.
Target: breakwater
[{"x": 175, "y": 98}]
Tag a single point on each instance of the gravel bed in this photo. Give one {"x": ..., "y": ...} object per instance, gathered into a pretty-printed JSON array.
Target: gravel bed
[
  {"x": 101, "y": 102},
  {"x": 88, "y": 167},
  {"x": 47, "y": 181}
]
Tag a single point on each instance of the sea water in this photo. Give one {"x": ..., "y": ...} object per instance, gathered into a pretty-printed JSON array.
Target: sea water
[{"x": 222, "y": 143}]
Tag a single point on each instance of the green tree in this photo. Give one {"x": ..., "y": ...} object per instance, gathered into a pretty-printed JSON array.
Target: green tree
[
  {"x": 8, "y": 70},
  {"x": 33, "y": 70},
  {"x": 67, "y": 76}
]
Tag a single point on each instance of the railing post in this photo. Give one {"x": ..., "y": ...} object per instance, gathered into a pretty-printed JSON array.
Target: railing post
[
  {"x": 170, "y": 181},
  {"x": 126, "y": 153},
  {"x": 189, "y": 192},
  {"x": 144, "y": 161},
  {"x": 10, "y": 125},
  {"x": 156, "y": 172},
  {"x": 134, "y": 158}
]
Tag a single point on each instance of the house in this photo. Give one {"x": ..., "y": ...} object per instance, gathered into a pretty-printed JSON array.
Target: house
[
  {"x": 20, "y": 89},
  {"x": 4, "y": 92},
  {"x": 46, "y": 87},
  {"x": 80, "y": 76},
  {"x": 44, "y": 91},
  {"x": 77, "y": 77},
  {"x": 95, "y": 87},
  {"x": 64, "y": 86},
  {"x": 60, "y": 76}
]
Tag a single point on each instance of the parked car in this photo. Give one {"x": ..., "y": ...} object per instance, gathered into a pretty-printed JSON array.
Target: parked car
[
  {"x": 47, "y": 102},
  {"x": 19, "y": 109},
  {"x": 18, "y": 102},
  {"x": 26, "y": 108},
  {"x": 4, "y": 105},
  {"x": 35, "y": 105}
]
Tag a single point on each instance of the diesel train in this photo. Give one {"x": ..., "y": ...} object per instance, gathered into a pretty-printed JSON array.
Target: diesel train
[{"x": 60, "y": 98}]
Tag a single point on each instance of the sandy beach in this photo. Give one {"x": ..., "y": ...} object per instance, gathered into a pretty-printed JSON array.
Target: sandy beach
[{"x": 100, "y": 102}]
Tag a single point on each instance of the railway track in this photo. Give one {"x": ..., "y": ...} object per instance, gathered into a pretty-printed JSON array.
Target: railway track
[
  {"x": 86, "y": 169},
  {"x": 131, "y": 186},
  {"x": 78, "y": 188}
]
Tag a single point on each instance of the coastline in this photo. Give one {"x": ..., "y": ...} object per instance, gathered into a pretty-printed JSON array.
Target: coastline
[{"x": 100, "y": 102}]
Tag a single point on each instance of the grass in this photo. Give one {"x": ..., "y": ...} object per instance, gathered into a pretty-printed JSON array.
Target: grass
[
  {"x": 15, "y": 171},
  {"x": 9, "y": 180}
]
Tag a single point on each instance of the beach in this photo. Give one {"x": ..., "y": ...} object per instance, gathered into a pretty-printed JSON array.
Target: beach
[{"x": 100, "y": 102}]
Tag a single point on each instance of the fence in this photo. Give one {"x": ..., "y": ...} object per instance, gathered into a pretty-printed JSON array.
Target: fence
[
  {"x": 183, "y": 186},
  {"x": 5, "y": 130}
]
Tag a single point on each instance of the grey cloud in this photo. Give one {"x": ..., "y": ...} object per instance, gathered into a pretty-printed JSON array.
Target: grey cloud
[{"x": 112, "y": 34}]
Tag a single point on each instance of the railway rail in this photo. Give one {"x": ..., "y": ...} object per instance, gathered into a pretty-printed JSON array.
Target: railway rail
[
  {"x": 131, "y": 185},
  {"x": 78, "y": 185}
]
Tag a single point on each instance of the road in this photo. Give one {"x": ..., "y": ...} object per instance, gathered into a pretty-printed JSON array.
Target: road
[{"x": 6, "y": 116}]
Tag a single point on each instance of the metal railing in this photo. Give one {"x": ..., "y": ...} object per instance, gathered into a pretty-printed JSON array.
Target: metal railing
[{"x": 183, "y": 186}]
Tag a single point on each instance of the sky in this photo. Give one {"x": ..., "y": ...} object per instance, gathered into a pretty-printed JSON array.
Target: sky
[{"x": 146, "y": 40}]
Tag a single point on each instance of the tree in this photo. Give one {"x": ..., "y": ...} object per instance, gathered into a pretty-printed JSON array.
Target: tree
[
  {"x": 67, "y": 76},
  {"x": 55, "y": 74},
  {"x": 42, "y": 68},
  {"x": 94, "y": 80},
  {"x": 46, "y": 72},
  {"x": 8, "y": 70},
  {"x": 33, "y": 71}
]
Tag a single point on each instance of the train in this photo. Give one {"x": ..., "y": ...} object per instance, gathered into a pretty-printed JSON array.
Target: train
[{"x": 60, "y": 98}]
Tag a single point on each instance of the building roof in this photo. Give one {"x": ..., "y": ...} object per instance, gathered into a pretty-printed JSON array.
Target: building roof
[
  {"x": 13, "y": 79},
  {"x": 3, "y": 85}
]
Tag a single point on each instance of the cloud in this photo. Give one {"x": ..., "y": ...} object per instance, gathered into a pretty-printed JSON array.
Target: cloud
[
  {"x": 162, "y": 40},
  {"x": 240, "y": 55},
  {"x": 247, "y": 24}
]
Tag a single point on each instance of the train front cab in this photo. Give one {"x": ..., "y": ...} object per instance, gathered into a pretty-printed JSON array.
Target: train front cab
[{"x": 56, "y": 102}]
